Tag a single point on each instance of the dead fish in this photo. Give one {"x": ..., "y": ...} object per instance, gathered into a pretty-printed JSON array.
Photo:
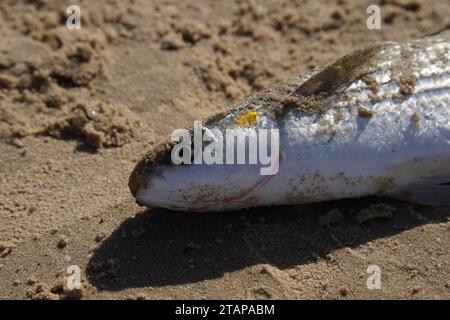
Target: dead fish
[{"x": 375, "y": 122}]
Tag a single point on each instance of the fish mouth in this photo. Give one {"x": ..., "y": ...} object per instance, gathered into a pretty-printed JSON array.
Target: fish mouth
[
  {"x": 135, "y": 180},
  {"x": 141, "y": 176},
  {"x": 147, "y": 166},
  {"x": 238, "y": 200}
]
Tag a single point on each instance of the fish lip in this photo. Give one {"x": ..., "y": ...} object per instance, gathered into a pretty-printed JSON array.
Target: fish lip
[
  {"x": 185, "y": 207},
  {"x": 140, "y": 178},
  {"x": 137, "y": 179}
]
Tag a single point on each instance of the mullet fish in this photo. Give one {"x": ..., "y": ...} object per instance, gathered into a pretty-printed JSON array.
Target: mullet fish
[{"x": 375, "y": 122}]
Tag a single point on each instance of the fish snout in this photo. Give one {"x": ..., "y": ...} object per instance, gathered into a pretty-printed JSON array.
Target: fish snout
[{"x": 148, "y": 166}]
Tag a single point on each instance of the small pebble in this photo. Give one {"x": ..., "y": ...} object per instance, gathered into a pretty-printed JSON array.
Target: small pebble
[
  {"x": 416, "y": 290},
  {"x": 62, "y": 243}
]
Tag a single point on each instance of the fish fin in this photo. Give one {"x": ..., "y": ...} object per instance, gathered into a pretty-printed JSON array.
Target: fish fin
[
  {"x": 435, "y": 192},
  {"x": 341, "y": 73}
]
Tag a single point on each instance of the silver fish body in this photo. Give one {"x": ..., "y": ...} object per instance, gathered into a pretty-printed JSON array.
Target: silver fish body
[{"x": 376, "y": 122}]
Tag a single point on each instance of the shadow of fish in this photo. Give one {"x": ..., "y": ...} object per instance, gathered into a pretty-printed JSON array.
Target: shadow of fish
[{"x": 375, "y": 122}]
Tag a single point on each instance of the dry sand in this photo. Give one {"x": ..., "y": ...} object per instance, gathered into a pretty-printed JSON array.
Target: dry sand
[{"x": 79, "y": 107}]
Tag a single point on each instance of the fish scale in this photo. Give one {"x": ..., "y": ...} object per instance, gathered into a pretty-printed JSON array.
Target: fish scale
[{"x": 375, "y": 122}]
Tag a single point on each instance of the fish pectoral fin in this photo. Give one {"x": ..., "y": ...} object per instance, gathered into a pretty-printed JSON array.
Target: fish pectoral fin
[{"x": 434, "y": 193}]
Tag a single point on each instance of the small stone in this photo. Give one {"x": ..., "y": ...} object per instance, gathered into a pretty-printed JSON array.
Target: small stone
[
  {"x": 62, "y": 243},
  {"x": 416, "y": 290}
]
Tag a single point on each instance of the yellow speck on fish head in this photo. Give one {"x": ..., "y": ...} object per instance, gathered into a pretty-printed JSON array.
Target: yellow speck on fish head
[{"x": 248, "y": 119}]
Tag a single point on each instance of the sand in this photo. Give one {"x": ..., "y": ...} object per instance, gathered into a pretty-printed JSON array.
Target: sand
[{"x": 80, "y": 107}]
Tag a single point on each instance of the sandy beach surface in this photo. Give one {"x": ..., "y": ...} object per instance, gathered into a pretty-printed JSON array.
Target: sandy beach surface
[{"x": 78, "y": 108}]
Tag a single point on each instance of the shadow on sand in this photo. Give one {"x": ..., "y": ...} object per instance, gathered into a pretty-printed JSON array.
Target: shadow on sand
[{"x": 158, "y": 247}]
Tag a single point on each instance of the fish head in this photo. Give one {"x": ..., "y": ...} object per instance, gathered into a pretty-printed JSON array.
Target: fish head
[{"x": 209, "y": 182}]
